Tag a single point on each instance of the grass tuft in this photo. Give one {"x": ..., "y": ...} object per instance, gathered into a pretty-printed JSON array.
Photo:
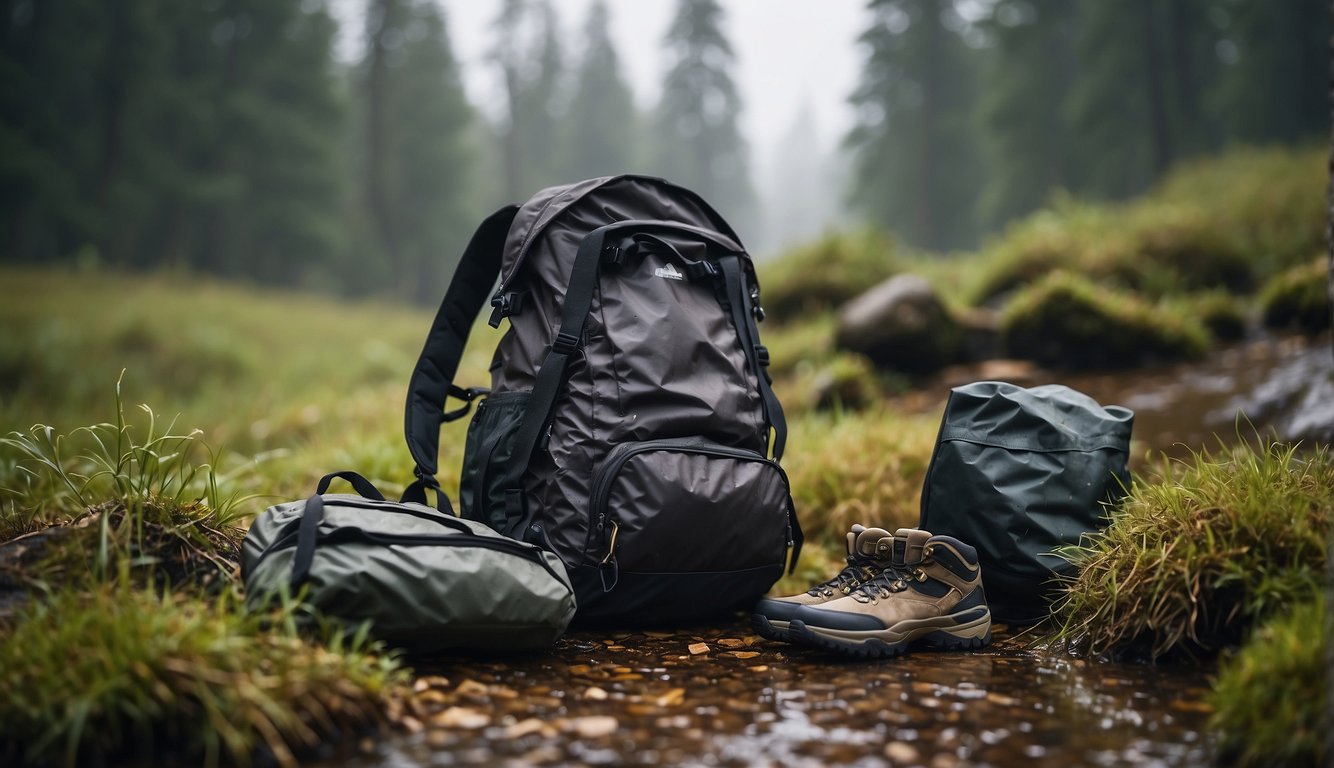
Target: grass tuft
[
  {"x": 124, "y": 673},
  {"x": 1299, "y": 298},
  {"x": 1200, "y": 552},
  {"x": 1270, "y": 698}
]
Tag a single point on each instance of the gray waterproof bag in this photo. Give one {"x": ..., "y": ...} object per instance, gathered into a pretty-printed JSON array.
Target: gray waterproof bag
[
  {"x": 1019, "y": 473},
  {"x": 427, "y": 581}
]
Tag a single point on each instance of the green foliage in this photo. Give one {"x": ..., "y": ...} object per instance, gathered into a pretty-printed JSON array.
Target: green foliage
[
  {"x": 1201, "y": 551},
  {"x": 1299, "y": 297},
  {"x": 1067, "y": 322},
  {"x": 127, "y": 672},
  {"x": 912, "y": 141},
  {"x": 1270, "y": 698},
  {"x": 824, "y": 274}
]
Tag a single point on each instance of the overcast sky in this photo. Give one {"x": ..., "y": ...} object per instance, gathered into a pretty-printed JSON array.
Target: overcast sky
[{"x": 788, "y": 51}]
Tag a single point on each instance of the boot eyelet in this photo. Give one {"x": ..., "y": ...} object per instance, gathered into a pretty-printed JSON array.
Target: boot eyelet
[{"x": 920, "y": 575}]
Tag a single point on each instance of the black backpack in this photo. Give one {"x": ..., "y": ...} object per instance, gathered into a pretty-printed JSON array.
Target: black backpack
[{"x": 630, "y": 421}]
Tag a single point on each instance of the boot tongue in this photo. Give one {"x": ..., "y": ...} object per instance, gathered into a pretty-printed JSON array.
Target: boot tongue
[
  {"x": 908, "y": 546},
  {"x": 871, "y": 544}
]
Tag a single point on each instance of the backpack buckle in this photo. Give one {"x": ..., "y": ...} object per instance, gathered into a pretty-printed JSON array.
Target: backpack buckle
[
  {"x": 565, "y": 343},
  {"x": 762, "y": 355}
]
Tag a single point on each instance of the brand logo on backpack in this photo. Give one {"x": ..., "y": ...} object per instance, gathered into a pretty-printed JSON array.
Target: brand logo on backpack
[{"x": 670, "y": 272}]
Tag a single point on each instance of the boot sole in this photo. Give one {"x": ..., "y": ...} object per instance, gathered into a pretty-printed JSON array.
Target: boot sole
[
  {"x": 943, "y": 633},
  {"x": 770, "y": 629}
]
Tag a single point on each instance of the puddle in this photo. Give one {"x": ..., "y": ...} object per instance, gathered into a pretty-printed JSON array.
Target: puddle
[{"x": 645, "y": 698}]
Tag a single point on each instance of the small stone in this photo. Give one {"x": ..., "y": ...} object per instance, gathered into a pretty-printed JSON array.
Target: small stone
[
  {"x": 527, "y": 728},
  {"x": 902, "y": 753},
  {"x": 461, "y": 717},
  {"x": 426, "y": 682},
  {"x": 732, "y": 642},
  {"x": 745, "y": 654},
  {"x": 698, "y": 648},
  {"x": 596, "y": 694},
  {"x": 595, "y": 727},
  {"x": 671, "y": 698}
]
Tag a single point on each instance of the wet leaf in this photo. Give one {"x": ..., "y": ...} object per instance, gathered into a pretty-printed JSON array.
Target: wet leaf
[
  {"x": 732, "y": 642},
  {"x": 745, "y": 654}
]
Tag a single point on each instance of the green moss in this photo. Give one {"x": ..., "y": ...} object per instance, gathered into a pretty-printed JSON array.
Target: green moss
[
  {"x": 1065, "y": 321},
  {"x": 820, "y": 276},
  {"x": 847, "y": 381},
  {"x": 1221, "y": 313},
  {"x": 1299, "y": 298},
  {"x": 1270, "y": 698},
  {"x": 124, "y": 673},
  {"x": 1269, "y": 202},
  {"x": 1202, "y": 550}
]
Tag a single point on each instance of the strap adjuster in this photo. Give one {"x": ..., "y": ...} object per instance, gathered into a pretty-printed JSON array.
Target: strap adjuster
[
  {"x": 505, "y": 304},
  {"x": 565, "y": 343},
  {"x": 701, "y": 270},
  {"x": 762, "y": 355}
]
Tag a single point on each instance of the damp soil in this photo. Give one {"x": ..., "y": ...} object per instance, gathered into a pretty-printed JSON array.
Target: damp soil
[{"x": 724, "y": 696}]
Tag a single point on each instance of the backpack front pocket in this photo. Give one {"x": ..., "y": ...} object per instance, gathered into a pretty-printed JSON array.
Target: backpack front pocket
[{"x": 686, "y": 508}]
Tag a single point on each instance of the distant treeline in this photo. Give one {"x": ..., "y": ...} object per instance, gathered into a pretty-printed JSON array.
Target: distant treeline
[{"x": 226, "y": 136}]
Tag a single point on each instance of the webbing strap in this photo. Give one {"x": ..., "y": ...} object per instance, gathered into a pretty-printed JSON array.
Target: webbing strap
[
  {"x": 433, "y": 378},
  {"x": 743, "y": 317},
  {"x": 551, "y": 377}
]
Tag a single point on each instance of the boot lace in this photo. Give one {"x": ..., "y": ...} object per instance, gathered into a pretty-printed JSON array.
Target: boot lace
[
  {"x": 889, "y": 581},
  {"x": 857, "y": 572}
]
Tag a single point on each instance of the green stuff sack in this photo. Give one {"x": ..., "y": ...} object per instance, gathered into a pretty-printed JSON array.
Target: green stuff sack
[
  {"x": 1019, "y": 473},
  {"x": 426, "y": 580}
]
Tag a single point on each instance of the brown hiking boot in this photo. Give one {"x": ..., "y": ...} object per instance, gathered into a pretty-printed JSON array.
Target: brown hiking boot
[
  {"x": 870, "y": 552},
  {"x": 936, "y": 601}
]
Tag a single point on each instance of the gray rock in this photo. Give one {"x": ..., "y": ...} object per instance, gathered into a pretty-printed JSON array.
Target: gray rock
[{"x": 901, "y": 325}]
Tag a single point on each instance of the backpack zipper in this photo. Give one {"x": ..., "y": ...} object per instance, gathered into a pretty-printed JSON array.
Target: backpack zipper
[{"x": 611, "y": 467}]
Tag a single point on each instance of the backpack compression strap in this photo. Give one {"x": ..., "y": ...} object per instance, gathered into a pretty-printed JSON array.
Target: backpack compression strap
[
  {"x": 433, "y": 378},
  {"x": 578, "y": 301}
]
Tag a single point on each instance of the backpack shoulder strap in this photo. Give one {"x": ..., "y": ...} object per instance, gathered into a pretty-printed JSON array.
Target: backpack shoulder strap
[{"x": 433, "y": 378}]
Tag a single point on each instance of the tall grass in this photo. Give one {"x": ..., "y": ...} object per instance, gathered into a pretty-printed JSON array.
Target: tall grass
[{"x": 1202, "y": 551}]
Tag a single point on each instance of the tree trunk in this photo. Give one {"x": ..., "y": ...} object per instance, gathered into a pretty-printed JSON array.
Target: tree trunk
[
  {"x": 1158, "y": 130},
  {"x": 380, "y": 20}
]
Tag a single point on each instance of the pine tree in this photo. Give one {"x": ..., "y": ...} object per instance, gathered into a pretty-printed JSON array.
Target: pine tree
[
  {"x": 699, "y": 143},
  {"x": 417, "y": 158},
  {"x": 601, "y": 127},
  {"x": 916, "y": 167},
  {"x": 528, "y": 53},
  {"x": 1023, "y": 134},
  {"x": 1273, "y": 86}
]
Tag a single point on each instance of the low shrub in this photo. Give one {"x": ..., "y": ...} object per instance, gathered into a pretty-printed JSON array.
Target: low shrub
[
  {"x": 1299, "y": 298},
  {"x": 819, "y": 277},
  {"x": 1270, "y": 698},
  {"x": 1200, "y": 551},
  {"x": 1065, "y": 321}
]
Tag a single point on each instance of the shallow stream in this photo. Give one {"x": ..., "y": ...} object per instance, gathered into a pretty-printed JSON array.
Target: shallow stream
[{"x": 723, "y": 696}]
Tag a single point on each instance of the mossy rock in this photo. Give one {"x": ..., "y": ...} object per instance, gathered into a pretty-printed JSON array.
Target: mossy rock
[
  {"x": 1165, "y": 250},
  {"x": 1064, "y": 321},
  {"x": 818, "y": 277},
  {"x": 847, "y": 382},
  {"x": 1299, "y": 298}
]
